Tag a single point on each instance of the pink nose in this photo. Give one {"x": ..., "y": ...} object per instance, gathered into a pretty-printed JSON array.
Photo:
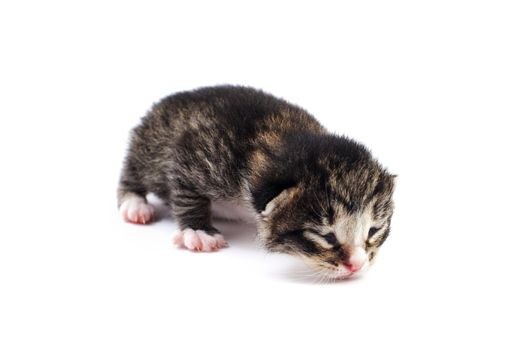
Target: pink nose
[
  {"x": 358, "y": 257},
  {"x": 356, "y": 261},
  {"x": 353, "y": 267}
]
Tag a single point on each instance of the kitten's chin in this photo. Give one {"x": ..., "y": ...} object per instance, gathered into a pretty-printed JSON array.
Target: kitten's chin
[
  {"x": 348, "y": 275},
  {"x": 333, "y": 273},
  {"x": 328, "y": 272},
  {"x": 339, "y": 275}
]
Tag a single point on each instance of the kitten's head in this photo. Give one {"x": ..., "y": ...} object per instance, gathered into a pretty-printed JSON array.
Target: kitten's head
[{"x": 336, "y": 218}]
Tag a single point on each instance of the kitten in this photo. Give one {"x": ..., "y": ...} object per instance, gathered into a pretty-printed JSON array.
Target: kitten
[{"x": 312, "y": 194}]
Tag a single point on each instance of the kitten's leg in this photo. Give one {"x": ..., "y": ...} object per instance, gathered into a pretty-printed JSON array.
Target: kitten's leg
[
  {"x": 193, "y": 214},
  {"x": 131, "y": 194}
]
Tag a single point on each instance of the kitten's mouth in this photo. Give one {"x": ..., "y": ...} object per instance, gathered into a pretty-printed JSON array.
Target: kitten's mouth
[
  {"x": 345, "y": 272},
  {"x": 339, "y": 272},
  {"x": 345, "y": 275}
]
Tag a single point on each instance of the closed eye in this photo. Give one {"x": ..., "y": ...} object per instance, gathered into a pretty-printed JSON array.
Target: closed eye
[
  {"x": 327, "y": 240},
  {"x": 332, "y": 239},
  {"x": 373, "y": 231}
]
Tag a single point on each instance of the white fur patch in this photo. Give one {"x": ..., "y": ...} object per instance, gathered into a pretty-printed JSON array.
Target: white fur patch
[
  {"x": 199, "y": 241},
  {"x": 353, "y": 230}
]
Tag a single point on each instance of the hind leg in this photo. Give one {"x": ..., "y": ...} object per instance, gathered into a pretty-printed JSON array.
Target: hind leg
[
  {"x": 132, "y": 202},
  {"x": 136, "y": 209},
  {"x": 193, "y": 214}
]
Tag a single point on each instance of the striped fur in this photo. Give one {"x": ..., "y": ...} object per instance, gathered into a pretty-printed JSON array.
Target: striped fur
[{"x": 312, "y": 193}]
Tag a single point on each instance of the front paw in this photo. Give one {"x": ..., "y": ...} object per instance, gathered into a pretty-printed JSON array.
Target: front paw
[{"x": 199, "y": 240}]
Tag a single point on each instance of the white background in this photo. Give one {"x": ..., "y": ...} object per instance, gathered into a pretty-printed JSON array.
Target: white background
[{"x": 435, "y": 89}]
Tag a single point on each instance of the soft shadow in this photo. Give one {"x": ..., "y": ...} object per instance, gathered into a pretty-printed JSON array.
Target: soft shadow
[{"x": 237, "y": 233}]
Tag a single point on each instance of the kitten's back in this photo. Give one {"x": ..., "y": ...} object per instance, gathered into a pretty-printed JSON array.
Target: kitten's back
[{"x": 210, "y": 136}]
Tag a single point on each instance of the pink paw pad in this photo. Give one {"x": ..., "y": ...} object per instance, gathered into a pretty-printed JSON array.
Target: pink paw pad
[
  {"x": 137, "y": 211},
  {"x": 199, "y": 241}
]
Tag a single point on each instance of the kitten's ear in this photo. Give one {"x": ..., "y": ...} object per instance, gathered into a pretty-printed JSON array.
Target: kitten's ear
[
  {"x": 269, "y": 195},
  {"x": 385, "y": 184},
  {"x": 279, "y": 200}
]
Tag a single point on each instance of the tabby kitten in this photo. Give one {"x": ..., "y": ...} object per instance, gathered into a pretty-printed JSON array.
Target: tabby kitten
[{"x": 312, "y": 194}]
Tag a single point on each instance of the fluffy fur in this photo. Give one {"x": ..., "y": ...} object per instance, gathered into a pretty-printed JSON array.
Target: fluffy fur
[{"x": 312, "y": 194}]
